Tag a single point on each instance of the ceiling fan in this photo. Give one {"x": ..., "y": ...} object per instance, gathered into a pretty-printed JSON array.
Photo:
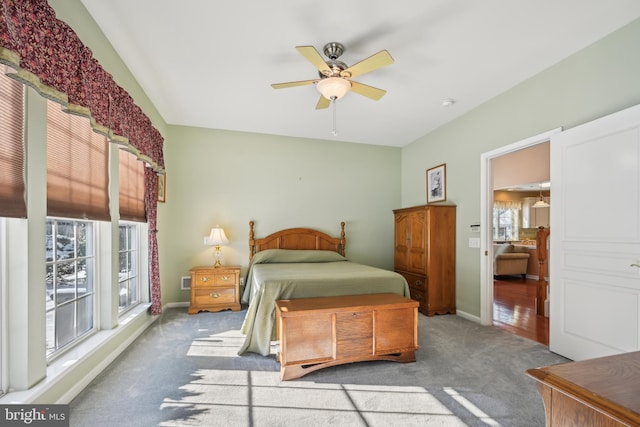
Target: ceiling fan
[{"x": 335, "y": 76}]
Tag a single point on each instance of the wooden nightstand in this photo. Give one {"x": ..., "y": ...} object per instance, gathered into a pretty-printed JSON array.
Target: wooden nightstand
[{"x": 215, "y": 289}]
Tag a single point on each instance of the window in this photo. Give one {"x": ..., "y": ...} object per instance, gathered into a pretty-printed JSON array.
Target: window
[
  {"x": 12, "y": 182},
  {"x": 77, "y": 190},
  {"x": 505, "y": 220},
  {"x": 128, "y": 275},
  {"x": 70, "y": 278},
  {"x": 131, "y": 197}
]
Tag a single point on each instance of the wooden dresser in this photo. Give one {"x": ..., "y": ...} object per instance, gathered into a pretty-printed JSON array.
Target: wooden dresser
[
  {"x": 316, "y": 333},
  {"x": 425, "y": 254},
  {"x": 596, "y": 392},
  {"x": 215, "y": 289}
]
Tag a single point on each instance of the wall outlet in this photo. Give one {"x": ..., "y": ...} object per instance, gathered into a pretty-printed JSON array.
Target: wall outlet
[{"x": 242, "y": 281}]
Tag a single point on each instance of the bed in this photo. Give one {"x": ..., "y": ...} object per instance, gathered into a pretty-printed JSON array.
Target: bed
[{"x": 302, "y": 263}]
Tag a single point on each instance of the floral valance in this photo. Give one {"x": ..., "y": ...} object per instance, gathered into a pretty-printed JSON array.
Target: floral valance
[{"x": 48, "y": 55}]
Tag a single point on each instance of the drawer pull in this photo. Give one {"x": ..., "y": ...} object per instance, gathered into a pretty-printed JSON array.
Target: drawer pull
[
  {"x": 204, "y": 279},
  {"x": 214, "y": 295},
  {"x": 226, "y": 278},
  {"x": 419, "y": 282}
]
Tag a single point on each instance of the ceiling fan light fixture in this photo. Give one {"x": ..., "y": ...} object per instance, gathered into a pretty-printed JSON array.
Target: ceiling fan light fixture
[{"x": 333, "y": 88}]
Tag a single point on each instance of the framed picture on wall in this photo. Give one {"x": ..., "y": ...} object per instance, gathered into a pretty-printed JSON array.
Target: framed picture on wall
[
  {"x": 162, "y": 187},
  {"x": 437, "y": 184}
]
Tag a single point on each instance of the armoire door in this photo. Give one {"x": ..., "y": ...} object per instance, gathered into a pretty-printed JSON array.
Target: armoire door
[
  {"x": 595, "y": 238},
  {"x": 402, "y": 242},
  {"x": 410, "y": 248}
]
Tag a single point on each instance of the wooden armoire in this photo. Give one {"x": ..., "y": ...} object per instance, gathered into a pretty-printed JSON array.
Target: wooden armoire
[{"x": 425, "y": 254}]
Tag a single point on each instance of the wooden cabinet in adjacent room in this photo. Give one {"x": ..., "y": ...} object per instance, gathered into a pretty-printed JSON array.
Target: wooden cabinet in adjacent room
[{"x": 425, "y": 254}]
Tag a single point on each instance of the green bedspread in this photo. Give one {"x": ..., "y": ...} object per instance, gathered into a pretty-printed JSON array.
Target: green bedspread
[{"x": 277, "y": 274}]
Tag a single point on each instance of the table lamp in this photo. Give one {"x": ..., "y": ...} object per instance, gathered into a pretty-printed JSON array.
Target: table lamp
[{"x": 216, "y": 238}]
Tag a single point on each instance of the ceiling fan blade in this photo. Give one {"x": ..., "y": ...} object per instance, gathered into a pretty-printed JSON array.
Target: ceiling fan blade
[
  {"x": 368, "y": 91},
  {"x": 322, "y": 103},
  {"x": 373, "y": 62},
  {"x": 292, "y": 84},
  {"x": 315, "y": 58}
]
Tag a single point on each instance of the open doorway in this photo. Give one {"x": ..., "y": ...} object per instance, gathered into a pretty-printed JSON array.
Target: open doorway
[{"x": 513, "y": 180}]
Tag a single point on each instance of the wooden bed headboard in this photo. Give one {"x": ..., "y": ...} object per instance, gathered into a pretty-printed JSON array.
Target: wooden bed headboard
[{"x": 298, "y": 239}]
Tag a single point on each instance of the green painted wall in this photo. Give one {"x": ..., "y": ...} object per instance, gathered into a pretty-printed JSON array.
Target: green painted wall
[
  {"x": 229, "y": 178},
  {"x": 599, "y": 80}
]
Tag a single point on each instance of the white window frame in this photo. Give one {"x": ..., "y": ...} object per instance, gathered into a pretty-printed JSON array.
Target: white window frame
[
  {"x": 144, "y": 294},
  {"x": 134, "y": 247},
  {"x": 92, "y": 239},
  {"x": 515, "y": 223}
]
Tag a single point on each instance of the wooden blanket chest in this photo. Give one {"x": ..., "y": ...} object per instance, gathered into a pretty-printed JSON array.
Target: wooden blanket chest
[{"x": 316, "y": 333}]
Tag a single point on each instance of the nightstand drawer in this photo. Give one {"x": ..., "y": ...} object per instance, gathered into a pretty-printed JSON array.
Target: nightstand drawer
[
  {"x": 215, "y": 279},
  {"x": 205, "y": 297},
  {"x": 215, "y": 289}
]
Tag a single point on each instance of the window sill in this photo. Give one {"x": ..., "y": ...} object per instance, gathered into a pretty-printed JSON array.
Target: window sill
[{"x": 81, "y": 364}]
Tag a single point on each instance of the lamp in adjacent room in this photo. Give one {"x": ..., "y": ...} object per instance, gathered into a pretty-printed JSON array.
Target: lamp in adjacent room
[
  {"x": 541, "y": 203},
  {"x": 216, "y": 238}
]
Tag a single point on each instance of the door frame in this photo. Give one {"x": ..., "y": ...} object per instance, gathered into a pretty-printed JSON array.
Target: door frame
[{"x": 486, "y": 218}]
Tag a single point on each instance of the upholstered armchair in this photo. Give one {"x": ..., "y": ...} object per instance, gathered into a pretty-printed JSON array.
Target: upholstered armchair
[{"x": 509, "y": 260}]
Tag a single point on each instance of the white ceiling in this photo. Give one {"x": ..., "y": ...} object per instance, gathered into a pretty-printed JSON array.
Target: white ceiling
[{"x": 210, "y": 64}]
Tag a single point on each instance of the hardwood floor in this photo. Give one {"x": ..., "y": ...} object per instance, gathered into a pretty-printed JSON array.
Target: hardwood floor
[{"x": 514, "y": 309}]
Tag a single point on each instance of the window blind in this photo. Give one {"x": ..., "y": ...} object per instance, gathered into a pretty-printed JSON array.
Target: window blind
[
  {"x": 77, "y": 167},
  {"x": 131, "y": 188},
  {"x": 12, "y": 187}
]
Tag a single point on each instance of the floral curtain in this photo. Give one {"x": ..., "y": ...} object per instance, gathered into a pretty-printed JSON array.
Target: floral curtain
[
  {"x": 151, "y": 201},
  {"x": 48, "y": 55}
]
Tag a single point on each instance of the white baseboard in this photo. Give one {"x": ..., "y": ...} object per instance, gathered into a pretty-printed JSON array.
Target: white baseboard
[
  {"x": 468, "y": 316},
  {"x": 177, "y": 304}
]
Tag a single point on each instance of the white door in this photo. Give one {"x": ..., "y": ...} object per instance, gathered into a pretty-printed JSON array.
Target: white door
[{"x": 595, "y": 238}]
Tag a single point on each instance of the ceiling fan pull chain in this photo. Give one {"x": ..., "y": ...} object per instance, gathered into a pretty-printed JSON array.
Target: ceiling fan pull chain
[{"x": 334, "y": 132}]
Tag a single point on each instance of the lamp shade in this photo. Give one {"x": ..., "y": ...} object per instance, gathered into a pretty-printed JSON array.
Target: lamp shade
[
  {"x": 541, "y": 204},
  {"x": 333, "y": 87},
  {"x": 216, "y": 237}
]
